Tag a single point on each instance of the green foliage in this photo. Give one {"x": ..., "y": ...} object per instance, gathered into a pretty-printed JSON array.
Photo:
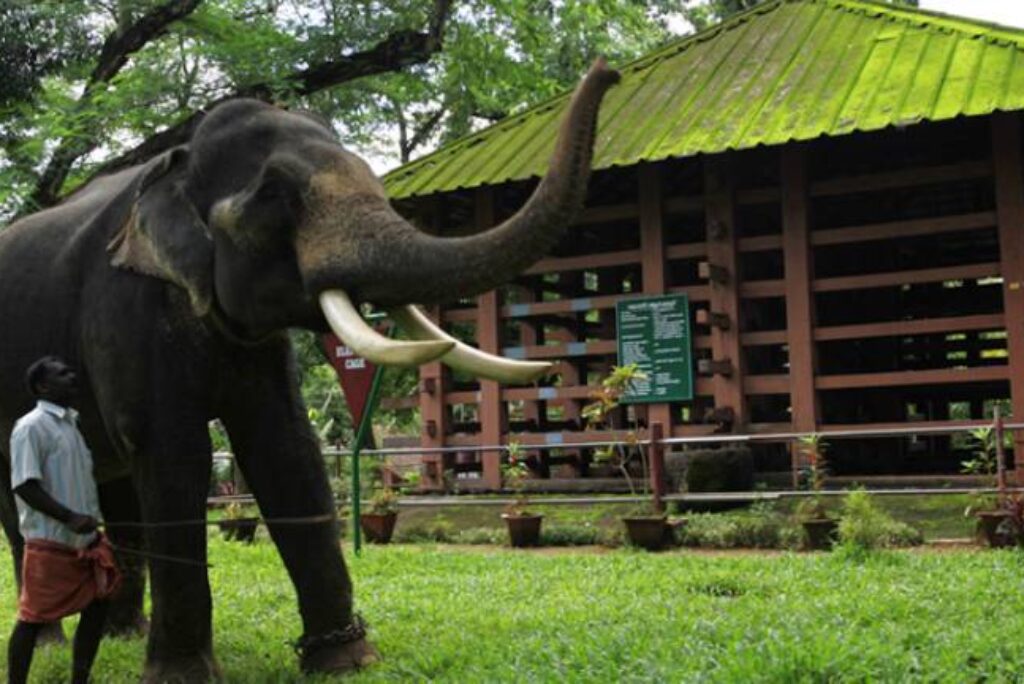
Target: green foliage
[
  {"x": 497, "y": 56},
  {"x": 514, "y": 474},
  {"x": 480, "y": 535},
  {"x": 615, "y": 617},
  {"x": 599, "y": 414},
  {"x": 863, "y": 526},
  {"x": 760, "y": 527},
  {"x": 729, "y": 469},
  {"x": 440, "y": 530},
  {"x": 384, "y": 500}
]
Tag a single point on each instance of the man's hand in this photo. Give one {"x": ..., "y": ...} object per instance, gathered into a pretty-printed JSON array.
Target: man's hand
[{"x": 82, "y": 524}]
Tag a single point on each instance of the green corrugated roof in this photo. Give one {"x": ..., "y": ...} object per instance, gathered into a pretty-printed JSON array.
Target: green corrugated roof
[{"x": 786, "y": 70}]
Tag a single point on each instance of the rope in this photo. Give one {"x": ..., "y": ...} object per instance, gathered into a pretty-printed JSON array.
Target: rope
[
  {"x": 160, "y": 556},
  {"x": 305, "y": 520}
]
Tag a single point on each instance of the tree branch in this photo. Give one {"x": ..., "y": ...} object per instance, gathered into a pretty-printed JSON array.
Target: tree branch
[
  {"x": 114, "y": 54},
  {"x": 394, "y": 52},
  {"x": 422, "y": 132}
]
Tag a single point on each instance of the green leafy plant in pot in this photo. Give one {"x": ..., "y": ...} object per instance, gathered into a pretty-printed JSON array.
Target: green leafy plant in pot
[
  {"x": 819, "y": 525},
  {"x": 994, "y": 512},
  {"x": 378, "y": 522},
  {"x": 523, "y": 526},
  {"x": 237, "y": 523},
  {"x": 646, "y": 526}
]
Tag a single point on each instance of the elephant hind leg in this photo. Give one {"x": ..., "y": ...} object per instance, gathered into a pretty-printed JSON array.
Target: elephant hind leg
[{"x": 121, "y": 512}]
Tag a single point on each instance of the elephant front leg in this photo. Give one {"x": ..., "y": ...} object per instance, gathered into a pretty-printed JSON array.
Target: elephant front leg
[
  {"x": 280, "y": 458},
  {"x": 172, "y": 481}
]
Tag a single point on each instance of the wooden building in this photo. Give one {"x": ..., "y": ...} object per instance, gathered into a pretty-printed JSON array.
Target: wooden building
[{"x": 836, "y": 185}]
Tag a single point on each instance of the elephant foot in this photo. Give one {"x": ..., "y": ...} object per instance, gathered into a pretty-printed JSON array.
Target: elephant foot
[
  {"x": 194, "y": 670},
  {"x": 354, "y": 655},
  {"x": 51, "y": 633},
  {"x": 126, "y": 625}
]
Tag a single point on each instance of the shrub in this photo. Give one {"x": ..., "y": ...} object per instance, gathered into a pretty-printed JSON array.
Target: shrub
[
  {"x": 438, "y": 530},
  {"x": 480, "y": 535},
  {"x": 865, "y": 527},
  {"x": 758, "y": 528},
  {"x": 718, "y": 470},
  {"x": 571, "y": 535}
]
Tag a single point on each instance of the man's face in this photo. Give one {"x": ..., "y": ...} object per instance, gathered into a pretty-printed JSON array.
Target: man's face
[{"x": 60, "y": 384}]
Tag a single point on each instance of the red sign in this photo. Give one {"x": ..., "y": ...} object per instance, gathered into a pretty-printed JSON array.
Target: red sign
[{"x": 354, "y": 372}]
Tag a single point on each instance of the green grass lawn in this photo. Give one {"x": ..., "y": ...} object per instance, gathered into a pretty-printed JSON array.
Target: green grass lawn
[{"x": 491, "y": 614}]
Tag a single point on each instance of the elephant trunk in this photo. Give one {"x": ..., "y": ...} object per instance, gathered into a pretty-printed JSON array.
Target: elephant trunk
[{"x": 390, "y": 262}]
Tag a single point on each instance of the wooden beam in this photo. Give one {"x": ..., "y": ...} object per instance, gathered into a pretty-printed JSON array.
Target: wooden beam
[
  {"x": 941, "y": 376},
  {"x": 755, "y": 289},
  {"x": 901, "y": 179},
  {"x": 762, "y": 337},
  {"x": 720, "y": 214},
  {"x": 899, "y": 229},
  {"x": 924, "y": 326},
  {"x": 688, "y": 250},
  {"x": 1009, "y": 181},
  {"x": 586, "y": 262},
  {"x": 760, "y": 243},
  {"x": 799, "y": 299},
  {"x": 767, "y": 384},
  {"x": 488, "y": 333},
  {"x": 920, "y": 275},
  {"x": 607, "y": 213}
]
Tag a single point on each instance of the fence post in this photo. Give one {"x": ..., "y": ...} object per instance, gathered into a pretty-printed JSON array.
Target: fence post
[
  {"x": 657, "y": 466},
  {"x": 997, "y": 419}
]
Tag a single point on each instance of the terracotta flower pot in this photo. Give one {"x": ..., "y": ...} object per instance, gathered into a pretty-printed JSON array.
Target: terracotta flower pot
[
  {"x": 239, "y": 529},
  {"x": 378, "y": 527},
  {"x": 820, "y": 533},
  {"x": 650, "y": 532},
  {"x": 987, "y": 532},
  {"x": 523, "y": 530}
]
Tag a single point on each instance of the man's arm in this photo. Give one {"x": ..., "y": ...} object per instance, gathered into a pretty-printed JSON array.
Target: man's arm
[{"x": 32, "y": 493}]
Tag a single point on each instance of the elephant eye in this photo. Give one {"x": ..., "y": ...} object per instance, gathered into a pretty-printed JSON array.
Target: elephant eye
[{"x": 278, "y": 186}]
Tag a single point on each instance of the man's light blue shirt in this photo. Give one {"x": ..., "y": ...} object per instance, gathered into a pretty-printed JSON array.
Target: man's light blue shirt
[{"x": 47, "y": 446}]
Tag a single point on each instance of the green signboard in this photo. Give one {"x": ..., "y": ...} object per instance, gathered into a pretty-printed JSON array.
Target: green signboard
[{"x": 654, "y": 333}]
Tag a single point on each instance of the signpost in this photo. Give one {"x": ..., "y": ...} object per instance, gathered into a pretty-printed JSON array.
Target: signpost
[
  {"x": 654, "y": 333},
  {"x": 360, "y": 383}
]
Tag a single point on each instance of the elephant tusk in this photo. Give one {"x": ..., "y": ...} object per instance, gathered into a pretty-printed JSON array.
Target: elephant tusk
[
  {"x": 348, "y": 325},
  {"x": 464, "y": 357}
]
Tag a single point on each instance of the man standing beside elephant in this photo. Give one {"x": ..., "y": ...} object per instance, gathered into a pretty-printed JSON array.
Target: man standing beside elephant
[{"x": 68, "y": 567}]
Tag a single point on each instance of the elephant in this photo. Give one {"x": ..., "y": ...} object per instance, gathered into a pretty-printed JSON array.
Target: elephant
[{"x": 171, "y": 286}]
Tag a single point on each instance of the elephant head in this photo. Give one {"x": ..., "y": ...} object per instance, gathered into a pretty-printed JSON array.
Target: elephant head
[{"x": 268, "y": 222}]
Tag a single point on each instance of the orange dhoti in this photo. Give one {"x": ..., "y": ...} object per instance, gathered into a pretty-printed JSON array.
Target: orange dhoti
[{"x": 59, "y": 580}]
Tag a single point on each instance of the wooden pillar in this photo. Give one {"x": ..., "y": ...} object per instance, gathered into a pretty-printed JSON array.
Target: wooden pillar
[
  {"x": 652, "y": 260},
  {"x": 798, "y": 256},
  {"x": 488, "y": 336},
  {"x": 433, "y": 417},
  {"x": 434, "y": 414},
  {"x": 723, "y": 259},
  {"x": 1009, "y": 186}
]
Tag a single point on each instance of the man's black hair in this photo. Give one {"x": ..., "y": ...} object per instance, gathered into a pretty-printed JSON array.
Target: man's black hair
[{"x": 36, "y": 373}]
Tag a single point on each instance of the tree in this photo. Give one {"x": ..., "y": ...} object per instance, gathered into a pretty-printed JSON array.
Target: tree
[
  {"x": 143, "y": 72},
  {"x": 702, "y": 14}
]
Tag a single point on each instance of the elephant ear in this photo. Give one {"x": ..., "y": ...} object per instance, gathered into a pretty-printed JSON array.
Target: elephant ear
[{"x": 163, "y": 235}]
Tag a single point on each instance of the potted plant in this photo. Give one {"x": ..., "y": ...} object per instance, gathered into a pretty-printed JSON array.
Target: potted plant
[
  {"x": 646, "y": 527},
  {"x": 523, "y": 526},
  {"x": 992, "y": 511},
  {"x": 378, "y": 522},
  {"x": 236, "y": 525},
  {"x": 819, "y": 525}
]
